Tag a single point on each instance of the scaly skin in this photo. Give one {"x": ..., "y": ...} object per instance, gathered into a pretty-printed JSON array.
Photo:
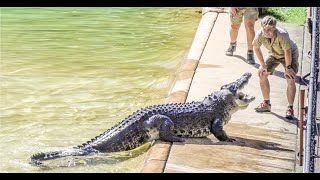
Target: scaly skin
[{"x": 168, "y": 122}]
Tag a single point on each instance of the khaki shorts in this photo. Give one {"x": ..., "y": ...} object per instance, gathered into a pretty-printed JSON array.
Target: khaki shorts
[
  {"x": 246, "y": 13},
  {"x": 272, "y": 62}
]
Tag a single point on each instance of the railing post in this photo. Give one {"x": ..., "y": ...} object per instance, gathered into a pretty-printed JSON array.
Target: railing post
[
  {"x": 302, "y": 91},
  {"x": 309, "y": 150}
]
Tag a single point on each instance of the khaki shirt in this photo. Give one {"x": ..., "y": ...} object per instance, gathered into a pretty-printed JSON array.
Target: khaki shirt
[{"x": 279, "y": 43}]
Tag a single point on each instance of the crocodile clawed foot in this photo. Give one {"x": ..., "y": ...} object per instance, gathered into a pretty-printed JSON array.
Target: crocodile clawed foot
[{"x": 231, "y": 140}]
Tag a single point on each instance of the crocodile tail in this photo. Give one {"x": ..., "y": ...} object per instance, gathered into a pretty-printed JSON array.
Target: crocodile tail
[{"x": 37, "y": 158}]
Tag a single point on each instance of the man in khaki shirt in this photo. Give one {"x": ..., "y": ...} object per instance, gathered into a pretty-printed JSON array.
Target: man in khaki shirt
[{"x": 282, "y": 50}]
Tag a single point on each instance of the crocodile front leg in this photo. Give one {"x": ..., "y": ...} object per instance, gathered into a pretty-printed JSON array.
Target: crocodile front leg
[
  {"x": 164, "y": 126},
  {"x": 218, "y": 132}
]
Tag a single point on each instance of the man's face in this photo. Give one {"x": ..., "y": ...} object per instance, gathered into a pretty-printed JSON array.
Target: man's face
[{"x": 268, "y": 31}]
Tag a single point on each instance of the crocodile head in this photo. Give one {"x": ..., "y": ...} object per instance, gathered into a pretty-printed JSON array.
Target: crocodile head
[{"x": 235, "y": 88}]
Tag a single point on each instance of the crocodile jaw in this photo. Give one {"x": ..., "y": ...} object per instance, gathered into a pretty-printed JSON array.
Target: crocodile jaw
[
  {"x": 239, "y": 84},
  {"x": 243, "y": 100}
]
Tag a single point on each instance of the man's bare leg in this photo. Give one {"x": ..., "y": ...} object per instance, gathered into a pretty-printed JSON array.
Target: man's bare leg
[
  {"x": 234, "y": 29},
  {"x": 265, "y": 106},
  {"x": 234, "y": 32},
  {"x": 249, "y": 26},
  {"x": 265, "y": 87},
  {"x": 291, "y": 91}
]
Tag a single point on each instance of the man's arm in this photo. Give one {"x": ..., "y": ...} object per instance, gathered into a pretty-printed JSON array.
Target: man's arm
[
  {"x": 289, "y": 73},
  {"x": 234, "y": 11},
  {"x": 288, "y": 57},
  {"x": 258, "y": 52},
  {"x": 263, "y": 66}
]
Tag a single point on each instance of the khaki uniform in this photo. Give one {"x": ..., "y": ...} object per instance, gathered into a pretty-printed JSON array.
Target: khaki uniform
[
  {"x": 276, "y": 47},
  {"x": 246, "y": 13}
]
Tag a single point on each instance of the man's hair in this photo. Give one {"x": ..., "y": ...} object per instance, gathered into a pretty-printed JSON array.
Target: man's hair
[{"x": 268, "y": 21}]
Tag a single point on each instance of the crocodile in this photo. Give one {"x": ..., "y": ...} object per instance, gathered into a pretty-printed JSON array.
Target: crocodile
[{"x": 168, "y": 122}]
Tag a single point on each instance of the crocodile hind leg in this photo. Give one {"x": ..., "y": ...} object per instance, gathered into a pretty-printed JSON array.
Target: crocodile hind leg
[
  {"x": 218, "y": 132},
  {"x": 163, "y": 125}
]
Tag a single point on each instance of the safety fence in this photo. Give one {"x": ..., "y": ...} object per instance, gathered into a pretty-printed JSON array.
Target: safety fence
[{"x": 309, "y": 126}]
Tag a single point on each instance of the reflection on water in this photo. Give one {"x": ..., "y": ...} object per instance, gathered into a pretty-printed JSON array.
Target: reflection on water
[{"x": 69, "y": 74}]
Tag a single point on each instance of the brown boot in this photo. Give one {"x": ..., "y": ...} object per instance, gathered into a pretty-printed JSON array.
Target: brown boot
[
  {"x": 250, "y": 57},
  {"x": 263, "y": 107},
  {"x": 289, "y": 113},
  {"x": 232, "y": 48}
]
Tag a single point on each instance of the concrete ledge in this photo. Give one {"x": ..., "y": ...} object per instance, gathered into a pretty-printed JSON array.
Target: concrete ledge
[
  {"x": 202, "y": 35},
  {"x": 157, "y": 155},
  {"x": 154, "y": 166},
  {"x": 177, "y": 97},
  {"x": 189, "y": 65},
  {"x": 214, "y": 9},
  {"x": 162, "y": 149}
]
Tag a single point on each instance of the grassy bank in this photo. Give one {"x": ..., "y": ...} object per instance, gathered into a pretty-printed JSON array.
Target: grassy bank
[{"x": 292, "y": 15}]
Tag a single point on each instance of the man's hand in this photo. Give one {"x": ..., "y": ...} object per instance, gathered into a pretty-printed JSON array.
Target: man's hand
[
  {"x": 263, "y": 70},
  {"x": 234, "y": 11},
  {"x": 289, "y": 74}
]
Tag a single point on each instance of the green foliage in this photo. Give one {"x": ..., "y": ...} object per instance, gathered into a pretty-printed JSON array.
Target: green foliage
[{"x": 292, "y": 15}]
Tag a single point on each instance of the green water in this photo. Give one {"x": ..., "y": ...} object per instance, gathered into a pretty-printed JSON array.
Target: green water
[{"x": 69, "y": 74}]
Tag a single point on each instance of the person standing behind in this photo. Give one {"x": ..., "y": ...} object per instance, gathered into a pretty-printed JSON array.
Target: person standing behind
[
  {"x": 281, "y": 50},
  {"x": 250, "y": 16}
]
